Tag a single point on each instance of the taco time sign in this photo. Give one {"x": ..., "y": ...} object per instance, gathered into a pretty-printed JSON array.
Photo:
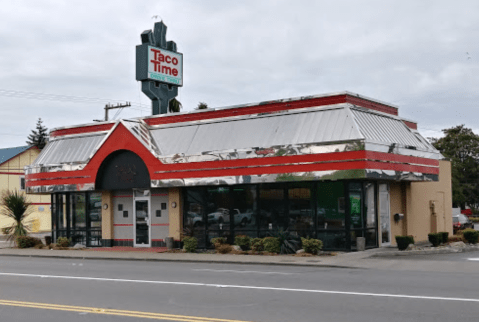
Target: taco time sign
[{"x": 159, "y": 65}]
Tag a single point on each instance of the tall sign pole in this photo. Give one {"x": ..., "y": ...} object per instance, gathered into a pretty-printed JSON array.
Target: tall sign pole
[{"x": 159, "y": 67}]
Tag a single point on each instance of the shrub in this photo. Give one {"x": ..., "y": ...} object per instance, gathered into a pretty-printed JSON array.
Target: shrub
[
  {"x": 271, "y": 244},
  {"x": 63, "y": 242},
  {"x": 190, "y": 244},
  {"x": 312, "y": 246},
  {"x": 435, "y": 239},
  {"x": 218, "y": 240},
  {"x": 48, "y": 240},
  {"x": 445, "y": 236},
  {"x": 471, "y": 235},
  {"x": 223, "y": 248},
  {"x": 27, "y": 241},
  {"x": 455, "y": 238},
  {"x": 243, "y": 241},
  {"x": 257, "y": 245},
  {"x": 404, "y": 241}
]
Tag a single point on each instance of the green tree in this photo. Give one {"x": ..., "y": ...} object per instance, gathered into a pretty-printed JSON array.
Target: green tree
[
  {"x": 461, "y": 146},
  {"x": 174, "y": 106},
  {"x": 14, "y": 205},
  {"x": 38, "y": 137},
  {"x": 202, "y": 106}
]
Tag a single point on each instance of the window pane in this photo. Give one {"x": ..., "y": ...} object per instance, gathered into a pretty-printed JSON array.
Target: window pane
[
  {"x": 330, "y": 205},
  {"x": 95, "y": 209},
  {"x": 300, "y": 209},
  {"x": 369, "y": 205},
  {"x": 219, "y": 202},
  {"x": 54, "y": 212},
  {"x": 272, "y": 210},
  {"x": 62, "y": 211},
  {"x": 245, "y": 209},
  {"x": 77, "y": 211},
  {"x": 355, "y": 212}
]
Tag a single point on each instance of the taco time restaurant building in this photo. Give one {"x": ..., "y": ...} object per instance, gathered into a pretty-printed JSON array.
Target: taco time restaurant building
[{"x": 334, "y": 167}]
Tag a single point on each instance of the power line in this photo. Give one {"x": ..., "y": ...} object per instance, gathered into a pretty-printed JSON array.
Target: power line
[{"x": 64, "y": 98}]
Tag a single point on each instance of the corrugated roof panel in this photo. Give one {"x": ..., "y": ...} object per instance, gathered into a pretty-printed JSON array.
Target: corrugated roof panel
[
  {"x": 8, "y": 153},
  {"x": 386, "y": 129},
  {"x": 321, "y": 125},
  {"x": 68, "y": 150}
]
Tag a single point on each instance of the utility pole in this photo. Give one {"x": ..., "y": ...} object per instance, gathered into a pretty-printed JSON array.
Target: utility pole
[{"x": 110, "y": 107}]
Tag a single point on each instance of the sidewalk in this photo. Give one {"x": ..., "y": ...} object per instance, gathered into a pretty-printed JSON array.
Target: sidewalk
[{"x": 353, "y": 260}]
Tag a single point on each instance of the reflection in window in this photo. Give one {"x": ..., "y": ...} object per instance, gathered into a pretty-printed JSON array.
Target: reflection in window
[
  {"x": 245, "y": 209},
  {"x": 218, "y": 204}
]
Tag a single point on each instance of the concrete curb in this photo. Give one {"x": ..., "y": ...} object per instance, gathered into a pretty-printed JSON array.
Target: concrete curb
[
  {"x": 183, "y": 260},
  {"x": 426, "y": 252}
]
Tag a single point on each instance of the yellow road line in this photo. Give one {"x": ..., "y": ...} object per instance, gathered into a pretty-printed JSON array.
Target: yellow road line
[{"x": 93, "y": 310}]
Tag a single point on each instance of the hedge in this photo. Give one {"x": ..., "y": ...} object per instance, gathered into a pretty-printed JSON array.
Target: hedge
[
  {"x": 190, "y": 244},
  {"x": 435, "y": 239},
  {"x": 404, "y": 241}
]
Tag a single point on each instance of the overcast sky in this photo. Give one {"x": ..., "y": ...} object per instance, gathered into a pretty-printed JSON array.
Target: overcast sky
[{"x": 420, "y": 55}]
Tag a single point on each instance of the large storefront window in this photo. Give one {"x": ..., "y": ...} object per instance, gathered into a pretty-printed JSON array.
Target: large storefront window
[
  {"x": 77, "y": 216},
  {"x": 336, "y": 212},
  {"x": 221, "y": 212}
]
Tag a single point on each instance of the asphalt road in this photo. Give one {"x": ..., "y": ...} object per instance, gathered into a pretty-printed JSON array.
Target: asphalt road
[{"x": 35, "y": 289}]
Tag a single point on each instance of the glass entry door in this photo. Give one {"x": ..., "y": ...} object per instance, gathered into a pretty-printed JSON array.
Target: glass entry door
[{"x": 142, "y": 222}]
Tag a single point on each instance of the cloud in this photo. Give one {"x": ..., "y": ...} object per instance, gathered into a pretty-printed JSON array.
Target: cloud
[{"x": 407, "y": 53}]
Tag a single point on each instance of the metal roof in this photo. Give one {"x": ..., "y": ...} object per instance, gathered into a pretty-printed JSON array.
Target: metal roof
[
  {"x": 378, "y": 127},
  {"x": 306, "y": 127},
  {"x": 320, "y": 125},
  {"x": 330, "y": 124},
  {"x": 77, "y": 149},
  {"x": 8, "y": 153}
]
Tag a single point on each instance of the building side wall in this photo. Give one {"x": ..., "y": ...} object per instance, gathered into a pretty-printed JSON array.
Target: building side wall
[
  {"x": 159, "y": 224},
  {"x": 397, "y": 207},
  {"x": 431, "y": 205},
  {"x": 10, "y": 173},
  {"x": 175, "y": 214},
  {"x": 123, "y": 226},
  {"x": 107, "y": 232}
]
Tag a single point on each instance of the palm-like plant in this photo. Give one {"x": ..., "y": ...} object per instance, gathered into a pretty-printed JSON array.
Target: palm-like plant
[
  {"x": 15, "y": 206},
  {"x": 174, "y": 106},
  {"x": 288, "y": 242}
]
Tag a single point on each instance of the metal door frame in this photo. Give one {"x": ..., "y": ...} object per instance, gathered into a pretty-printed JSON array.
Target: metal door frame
[
  {"x": 380, "y": 231},
  {"x": 148, "y": 199}
]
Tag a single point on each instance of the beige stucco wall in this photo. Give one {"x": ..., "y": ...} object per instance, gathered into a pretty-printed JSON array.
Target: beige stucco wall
[
  {"x": 107, "y": 215},
  {"x": 426, "y": 219},
  {"x": 397, "y": 207},
  {"x": 40, "y": 216},
  {"x": 414, "y": 201},
  {"x": 175, "y": 214}
]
